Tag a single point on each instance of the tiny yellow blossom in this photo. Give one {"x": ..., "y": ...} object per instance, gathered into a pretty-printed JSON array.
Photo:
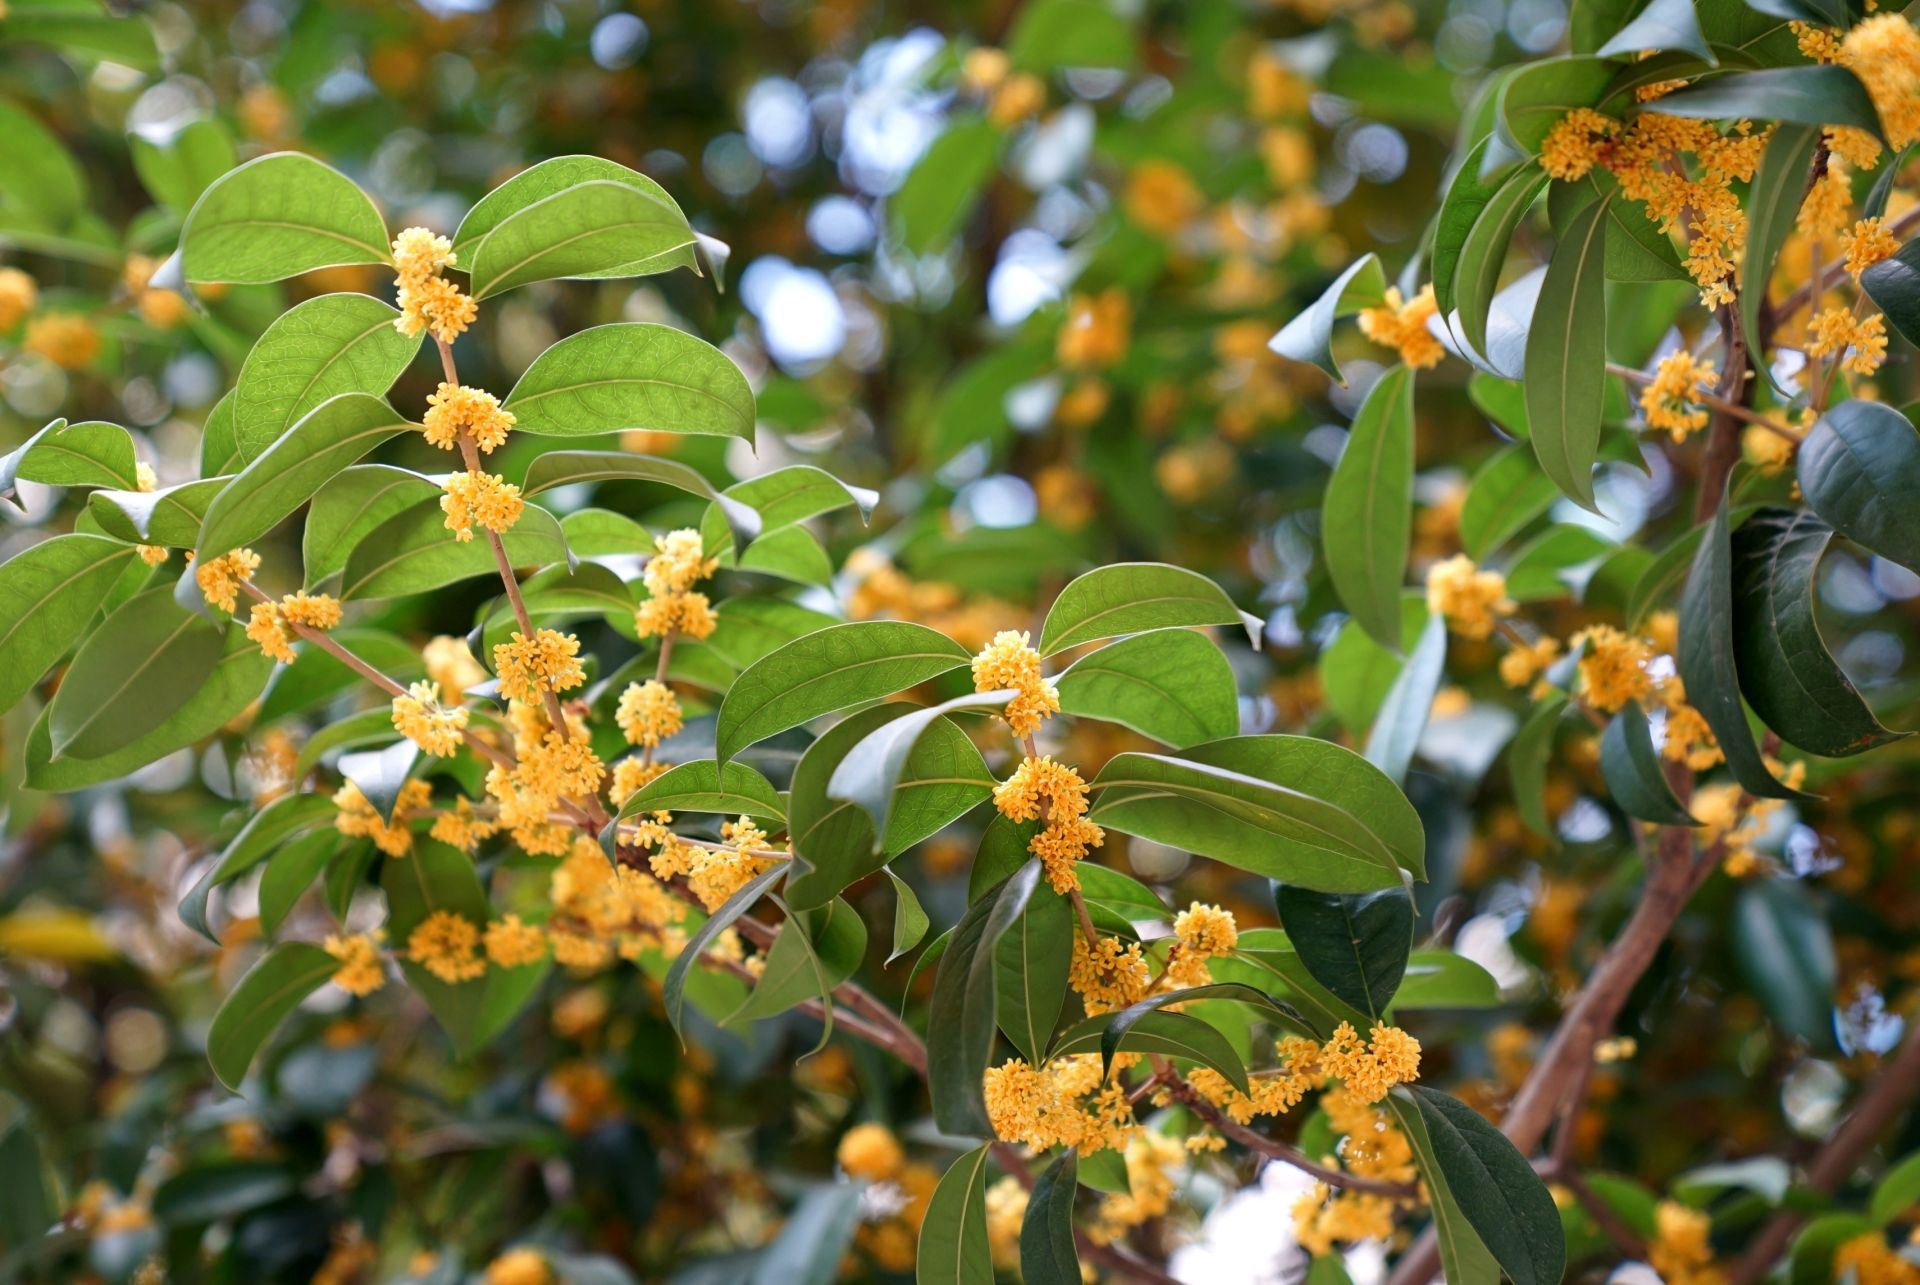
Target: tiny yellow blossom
[
  {"x": 1402, "y": 325},
  {"x": 870, "y": 1151},
  {"x": 1470, "y": 599},
  {"x": 531, "y": 667},
  {"x": 360, "y": 971},
  {"x": 447, "y": 945},
  {"x": 220, "y": 578},
  {"x": 456, "y": 410},
  {"x": 1008, "y": 663},
  {"x": 648, "y": 713},
  {"x": 479, "y": 498},
  {"x": 1669, "y": 401},
  {"x": 513, "y": 944},
  {"x": 18, "y": 295},
  {"x": 421, "y": 718}
]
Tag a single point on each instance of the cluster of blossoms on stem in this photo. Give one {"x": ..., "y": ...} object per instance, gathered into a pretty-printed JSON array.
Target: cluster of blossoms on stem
[
  {"x": 531, "y": 668},
  {"x": 428, "y": 301},
  {"x": 1471, "y": 599},
  {"x": 220, "y": 578},
  {"x": 357, "y": 818},
  {"x": 1402, "y": 325},
  {"x": 715, "y": 873},
  {"x": 421, "y": 718},
  {"x": 1669, "y": 403},
  {"x": 1039, "y": 789},
  {"x": 273, "y": 624},
  {"x": 678, "y": 563}
]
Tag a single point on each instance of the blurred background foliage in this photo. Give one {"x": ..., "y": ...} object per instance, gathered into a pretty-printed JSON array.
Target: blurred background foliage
[{"x": 1026, "y": 297}]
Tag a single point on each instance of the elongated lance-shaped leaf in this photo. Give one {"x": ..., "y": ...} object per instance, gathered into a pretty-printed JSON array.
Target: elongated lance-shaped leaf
[
  {"x": 1309, "y": 336},
  {"x": 260, "y": 1002},
  {"x": 143, "y": 663},
  {"x": 1464, "y": 1259},
  {"x": 1707, "y": 663},
  {"x": 1354, "y": 945},
  {"x": 1047, "y": 1253},
  {"x": 1030, "y": 968},
  {"x": 1786, "y": 672},
  {"x": 674, "y": 988},
  {"x": 278, "y": 216},
  {"x": 704, "y": 786},
  {"x": 1631, "y": 768},
  {"x": 1367, "y": 515},
  {"x": 1567, "y": 356},
  {"x": 961, "y": 1019},
  {"x": 1527, "y": 758},
  {"x": 1483, "y": 254},
  {"x": 954, "y": 1249},
  {"x": 48, "y": 593},
  {"x": 1773, "y": 204},
  {"x": 633, "y": 375},
  {"x": 565, "y": 468},
  {"x": 1466, "y": 196},
  {"x": 1817, "y": 95},
  {"x": 1403, "y": 715},
  {"x": 412, "y": 552},
  {"x": 870, "y": 773},
  {"x": 1860, "y": 470},
  {"x": 1894, "y": 286},
  {"x": 263, "y": 833},
  {"x": 1114, "y": 1037},
  {"x": 551, "y": 177},
  {"x": 1504, "y": 1200},
  {"x": 1133, "y": 597}
]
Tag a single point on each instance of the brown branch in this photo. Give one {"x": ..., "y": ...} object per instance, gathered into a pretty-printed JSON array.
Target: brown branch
[{"x": 1275, "y": 1150}]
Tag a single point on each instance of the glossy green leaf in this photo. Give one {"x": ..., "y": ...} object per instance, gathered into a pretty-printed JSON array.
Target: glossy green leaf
[
  {"x": 1030, "y": 968},
  {"x": 953, "y": 1248},
  {"x": 337, "y": 343},
  {"x": 550, "y": 178},
  {"x": 1442, "y": 979},
  {"x": 1309, "y": 336},
  {"x": 1133, "y": 597},
  {"x": 169, "y": 517},
  {"x": 944, "y": 185},
  {"x": 674, "y": 988},
  {"x": 831, "y": 669},
  {"x": 290, "y": 872},
  {"x": 591, "y": 229},
  {"x": 1047, "y": 1253},
  {"x": 1403, "y": 715},
  {"x": 1860, "y": 470},
  {"x": 90, "y": 453},
  {"x": 1637, "y": 250},
  {"x": 1483, "y": 254},
  {"x": 48, "y": 593},
  {"x": 1464, "y": 1260},
  {"x": 277, "y": 216},
  {"x": 1784, "y": 947},
  {"x": 962, "y": 1016},
  {"x": 814, "y": 951},
  {"x": 909, "y": 919},
  {"x": 1567, "y": 357},
  {"x": 1773, "y": 206},
  {"x": 412, "y": 552},
  {"x": 260, "y": 1002},
  {"x": 1507, "y": 493},
  {"x": 1785, "y": 670},
  {"x": 704, "y": 786},
  {"x": 1894, "y": 286},
  {"x": 1173, "y": 685},
  {"x": 1466, "y": 196},
  {"x": 141, "y": 665},
  {"x": 1292, "y": 808},
  {"x": 1813, "y": 95},
  {"x": 1535, "y": 98},
  {"x": 289, "y": 471},
  {"x": 262, "y": 835},
  {"x": 633, "y": 375},
  {"x": 870, "y": 773},
  {"x": 219, "y": 442},
  {"x": 565, "y": 468},
  {"x": 1496, "y": 1189},
  {"x": 1354, "y": 945},
  {"x": 1632, "y": 770},
  {"x": 351, "y": 506},
  {"x": 1367, "y": 516}
]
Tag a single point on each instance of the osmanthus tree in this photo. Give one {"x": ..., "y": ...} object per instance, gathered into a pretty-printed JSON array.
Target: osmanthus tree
[
  {"x": 527, "y": 806},
  {"x": 1677, "y": 247}
]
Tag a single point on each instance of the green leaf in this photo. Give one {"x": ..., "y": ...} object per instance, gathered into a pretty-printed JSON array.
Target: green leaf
[
  {"x": 1503, "y": 1200},
  {"x": 1292, "y": 808},
  {"x": 1637, "y": 250},
  {"x": 1785, "y": 950},
  {"x": 1172, "y": 685},
  {"x": 48, "y": 593},
  {"x": 1527, "y": 759},
  {"x": 85, "y": 30},
  {"x": 40, "y": 177},
  {"x": 1355, "y": 946},
  {"x": 169, "y": 517},
  {"x": 1143, "y": 1026},
  {"x": 277, "y": 216},
  {"x": 811, "y": 1242},
  {"x": 565, "y": 468},
  {"x": 1897, "y": 1191},
  {"x": 1534, "y": 99},
  {"x": 1047, "y": 1254},
  {"x": 1484, "y": 253},
  {"x": 1403, "y": 714},
  {"x": 909, "y": 920},
  {"x": 1707, "y": 659},
  {"x": 633, "y": 376},
  {"x": 870, "y": 773},
  {"x": 1507, "y": 493},
  {"x": 1785, "y": 670},
  {"x": 1105, "y": 1170},
  {"x": 286, "y": 475},
  {"x": 752, "y": 627},
  {"x": 1894, "y": 286},
  {"x": 550, "y": 178},
  {"x": 1133, "y": 597},
  {"x": 140, "y": 666},
  {"x": 1860, "y": 470},
  {"x": 1773, "y": 205},
  {"x": 828, "y": 670},
  {"x": 1464, "y": 1260},
  {"x": 944, "y": 185},
  {"x": 1632, "y": 770},
  {"x": 953, "y": 1246},
  {"x": 219, "y": 446},
  {"x": 1663, "y": 24},
  {"x": 91, "y": 453},
  {"x": 337, "y": 343},
  {"x": 961, "y": 1019},
  {"x": 1030, "y": 969},
  {"x": 1467, "y": 195},
  {"x": 833, "y": 844},
  {"x": 1567, "y": 357},
  {"x": 263, "y": 999},
  {"x": 1309, "y": 337},
  {"x": 1367, "y": 516},
  {"x": 1442, "y": 979},
  {"x": 813, "y": 952},
  {"x": 1071, "y": 33},
  {"x": 1811, "y": 1261},
  {"x": 234, "y": 684},
  {"x": 1358, "y": 672},
  {"x": 596, "y": 228},
  {"x": 25, "y": 1213},
  {"x": 221, "y": 1190},
  {"x": 674, "y": 988},
  {"x": 350, "y": 507},
  {"x": 412, "y": 552},
  {"x": 290, "y": 872},
  {"x": 704, "y": 786},
  {"x": 257, "y": 840},
  {"x": 1814, "y": 95},
  {"x": 177, "y": 166}
]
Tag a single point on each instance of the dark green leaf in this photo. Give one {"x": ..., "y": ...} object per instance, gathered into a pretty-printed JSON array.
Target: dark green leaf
[
  {"x": 264, "y": 832},
  {"x": 1663, "y": 24},
  {"x": 870, "y": 773},
  {"x": 1785, "y": 950},
  {"x": 1860, "y": 470},
  {"x": 261, "y": 1000},
  {"x": 1047, "y": 1254},
  {"x": 1567, "y": 357},
  {"x": 909, "y": 920},
  {"x": 1484, "y": 253},
  {"x": 412, "y": 552},
  {"x": 1773, "y": 205},
  {"x": 140, "y": 666},
  {"x": 1367, "y": 516},
  {"x": 1508, "y": 492},
  {"x": 1467, "y": 195},
  {"x": 1536, "y": 97},
  {"x": 674, "y": 989},
  {"x": 1354, "y": 945},
  {"x": 961, "y": 1019},
  {"x": 1464, "y": 1260},
  {"x": 349, "y": 508},
  {"x": 1030, "y": 968},
  {"x": 1816, "y": 95},
  {"x": 1503, "y": 1200},
  {"x": 1633, "y": 773},
  {"x": 290, "y": 872},
  {"x": 337, "y": 343},
  {"x": 813, "y": 1240},
  {"x": 814, "y": 951}
]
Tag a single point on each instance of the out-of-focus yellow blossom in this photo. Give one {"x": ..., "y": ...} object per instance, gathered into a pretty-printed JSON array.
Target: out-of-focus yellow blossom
[
  {"x": 1097, "y": 329},
  {"x": 447, "y": 945},
  {"x": 629, "y": 774},
  {"x": 1766, "y": 450},
  {"x": 1017, "y": 98},
  {"x": 1884, "y": 51},
  {"x": 531, "y": 667},
  {"x": 451, "y": 664},
  {"x": 160, "y": 309},
  {"x": 361, "y": 971},
  {"x": 357, "y": 818},
  {"x": 520, "y": 1266},
  {"x": 1470, "y": 599},
  {"x": 1152, "y": 1160},
  {"x": 1867, "y": 1259},
  {"x": 1006, "y": 1213},
  {"x": 1680, "y": 1251},
  {"x": 1162, "y": 198},
  {"x": 1402, "y": 325},
  {"x": 512, "y": 943},
  {"x": 18, "y": 295},
  {"x": 461, "y": 827},
  {"x": 1008, "y": 663},
  {"x": 455, "y": 409},
  {"x": 1525, "y": 662},
  {"x": 220, "y": 578},
  {"x": 482, "y": 498},
  {"x": 1669, "y": 402},
  {"x": 1275, "y": 89},
  {"x": 1613, "y": 667},
  {"x": 984, "y": 68},
  {"x": 67, "y": 339},
  {"x": 421, "y": 718},
  {"x": 871, "y": 1152}
]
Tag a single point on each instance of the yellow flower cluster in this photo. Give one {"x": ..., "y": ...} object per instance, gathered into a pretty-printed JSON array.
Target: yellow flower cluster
[
  {"x": 1009, "y": 664},
  {"x": 1274, "y": 1093},
  {"x": 1201, "y": 932},
  {"x": 1161, "y": 198},
  {"x": 361, "y": 971},
  {"x": 1669, "y": 401},
  {"x": 456, "y": 409},
  {"x": 357, "y": 818},
  {"x": 1041, "y": 785},
  {"x": 1524, "y": 663},
  {"x": 476, "y": 497},
  {"x": 1613, "y": 667},
  {"x": 1109, "y": 975},
  {"x": 271, "y": 625},
  {"x": 220, "y": 578},
  {"x": 1402, "y": 325},
  {"x": 648, "y": 713},
  {"x": 519, "y": 1266},
  {"x": 629, "y": 774},
  {"x": 1370, "y": 1067},
  {"x": 870, "y": 1152},
  {"x": 461, "y": 827},
  {"x": 450, "y": 664},
  {"x": 447, "y": 945},
  {"x": 678, "y": 563},
  {"x": 608, "y": 910},
  {"x": 713, "y": 875},
  {"x": 1061, "y": 1104},
  {"x": 513, "y": 943},
  {"x": 421, "y": 718},
  {"x": 67, "y": 339},
  {"x": 1097, "y": 329},
  {"x": 1152, "y": 1161},
  {"x": 531, "y": 667},
  {"x": 1867, "y": 244},
  {"x": 1470, "y": 599},
  {"x": 1884, "y": 51},
  {"x": 1867, "y": 1260},
  {"x": 1680, "y": 1251},
  {"x": 18, "y": 295},
  {"x": 427, "y": 300},
  {"x": 1577, "y": 142},
  {"x": 1840, "y": 329},
  {"x": 1373, "y": 1148},
  {"x": 1736, "y": 821}
]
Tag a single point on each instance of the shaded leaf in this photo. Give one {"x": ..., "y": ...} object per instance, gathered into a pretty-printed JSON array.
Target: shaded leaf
[
  {"x": 259, "y": 1002},
  {"x": 1631, "y": 767},
  {"x": 1354, "y": 945}
]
